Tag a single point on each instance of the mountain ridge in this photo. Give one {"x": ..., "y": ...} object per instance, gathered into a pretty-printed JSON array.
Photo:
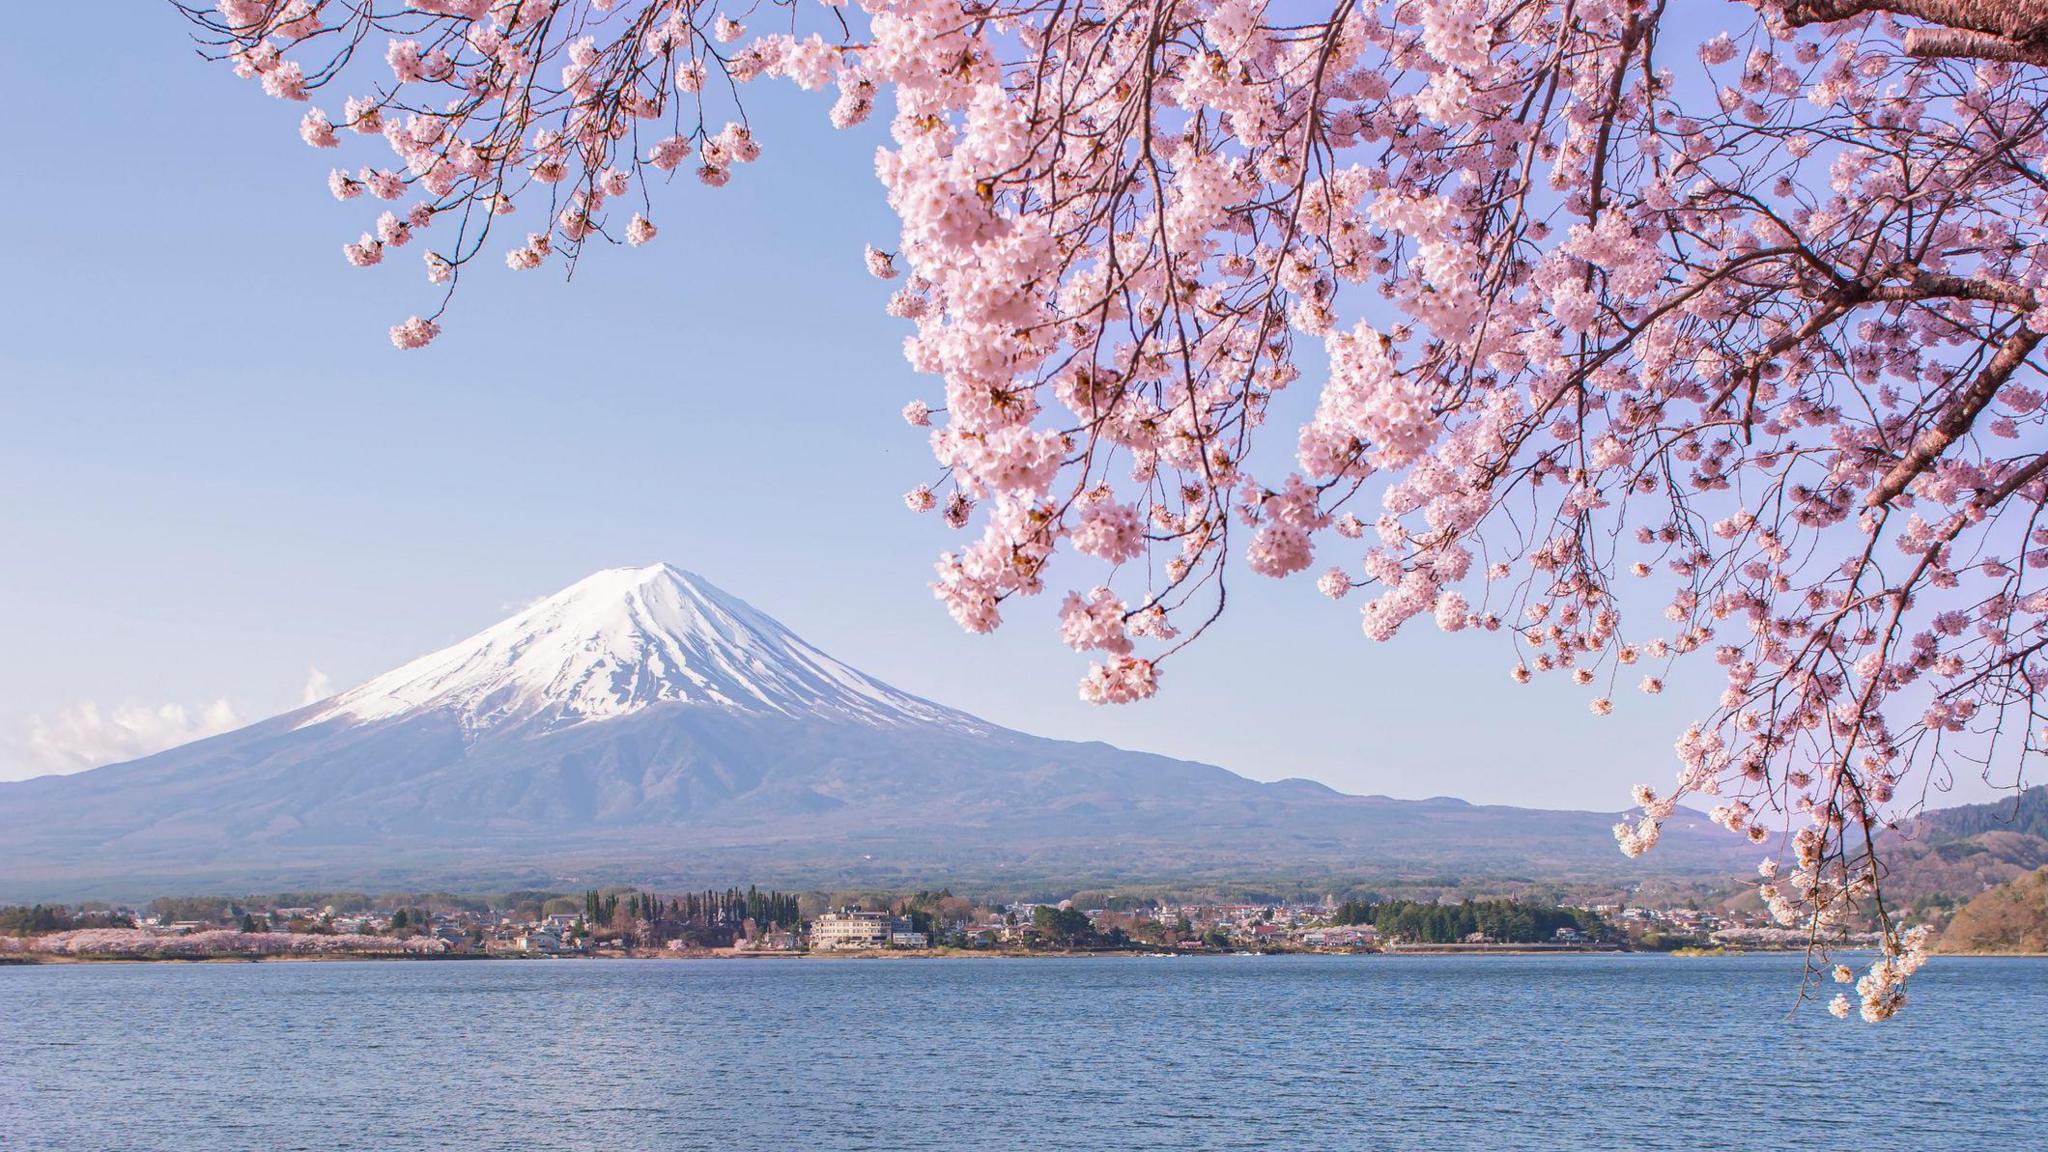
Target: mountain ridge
[
  {"x": 1967, "y": 849},
  {"x": 643, "y": 723}
]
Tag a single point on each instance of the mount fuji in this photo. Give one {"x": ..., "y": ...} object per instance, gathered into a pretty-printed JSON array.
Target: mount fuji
[
  {"x": 643, "y": 725},
  {"x": 623, "y": 641}
]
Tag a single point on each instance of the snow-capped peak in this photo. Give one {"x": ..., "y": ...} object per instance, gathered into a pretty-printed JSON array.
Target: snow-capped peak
[{"x": 622, "y": 640}]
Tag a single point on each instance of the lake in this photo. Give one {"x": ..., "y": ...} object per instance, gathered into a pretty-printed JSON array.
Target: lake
[{"x": 1366, "y": 1052}]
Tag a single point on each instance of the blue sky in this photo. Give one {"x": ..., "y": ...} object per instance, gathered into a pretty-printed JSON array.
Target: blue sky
[{"x": 217, "y": 476}]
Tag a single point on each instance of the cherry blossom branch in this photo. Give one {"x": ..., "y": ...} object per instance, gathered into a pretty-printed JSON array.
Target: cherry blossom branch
[{"x": 1619, "y": 362}]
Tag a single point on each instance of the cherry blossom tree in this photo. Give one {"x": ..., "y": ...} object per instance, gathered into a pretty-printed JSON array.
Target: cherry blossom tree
[
  {"x": 144, "y": 944},
  {"x": 1732, "y": 326}
]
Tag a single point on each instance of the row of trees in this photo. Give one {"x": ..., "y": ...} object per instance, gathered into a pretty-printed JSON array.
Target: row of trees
[
  {"x": 39, "y": 919},
  {"x": 47, "y": 919},
  {"x": 729, "y": 908},
  {"x": 1062, "y": 927},
  {"x": 732, "y": 906},
  {"x": 710, "y": 918},
  {"x": 1507, "y": 921}
]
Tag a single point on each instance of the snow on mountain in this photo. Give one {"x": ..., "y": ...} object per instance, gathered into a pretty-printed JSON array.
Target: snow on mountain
[{"x": 623, "y": 640}]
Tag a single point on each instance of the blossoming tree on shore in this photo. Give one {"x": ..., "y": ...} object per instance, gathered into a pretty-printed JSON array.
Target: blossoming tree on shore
[{"x": 1731, "y": 312}]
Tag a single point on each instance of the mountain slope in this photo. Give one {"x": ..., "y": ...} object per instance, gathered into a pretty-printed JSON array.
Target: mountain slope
[
  {"x": 2012, "y": 917},
  {"x": 643, "y": 724},
  {"x": 2024, "y": 813},
  {"x": 1971, "y": 848}
]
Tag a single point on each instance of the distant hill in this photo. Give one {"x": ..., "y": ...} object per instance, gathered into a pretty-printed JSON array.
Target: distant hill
[
  {"x": 644, "y": 725},
  {"x": 1962, "y": 851},
  {"x": 2012, "y": 917},
  {"x": 2024, "y": 813}
]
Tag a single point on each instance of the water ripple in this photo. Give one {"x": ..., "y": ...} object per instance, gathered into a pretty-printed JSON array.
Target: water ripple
[{"x": 1474, "y": 1053}]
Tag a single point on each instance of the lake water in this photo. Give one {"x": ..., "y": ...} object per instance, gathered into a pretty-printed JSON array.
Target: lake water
[{"x": 1326, "y": 1053}]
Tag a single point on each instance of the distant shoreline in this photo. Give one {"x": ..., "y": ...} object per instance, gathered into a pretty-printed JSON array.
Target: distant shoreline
[
  {"x": 25, "y": 959},
  {"x": 20, "y": 955}
]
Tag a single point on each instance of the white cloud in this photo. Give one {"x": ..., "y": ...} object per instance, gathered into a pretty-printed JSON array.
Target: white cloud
[
  {"x": 318, "y": 687},
  {"x": 85, "y": 735}
]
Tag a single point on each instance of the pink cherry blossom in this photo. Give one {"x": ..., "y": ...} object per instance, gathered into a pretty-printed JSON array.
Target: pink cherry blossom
[
  {"x": 881, "y": 265},
  {"x": 286, "y": 81},
  {"x": 1094, "y": 622},
  {"x": 1121, "y": 681},
  {"x": 415, "y": 333},
  {"x": 317, "y": 130},
  {"x": 364, "y": 252},
  {"x": 393, "y": 230}
]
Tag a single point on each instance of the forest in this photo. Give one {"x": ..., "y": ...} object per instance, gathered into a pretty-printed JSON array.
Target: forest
[{"x": 1498, "y": 921}]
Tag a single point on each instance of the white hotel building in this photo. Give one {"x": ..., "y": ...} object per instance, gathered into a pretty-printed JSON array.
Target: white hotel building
[{"x": 851, "y": 929}]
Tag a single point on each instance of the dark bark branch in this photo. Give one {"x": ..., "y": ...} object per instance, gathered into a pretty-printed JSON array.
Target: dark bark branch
[
  {"x": 1956, "y": 420},
  {"x": 1963, "y": 43},
  {"x": 2013, "y": 483},
  {"x": 2020, "y": 20},
  {"x": 1935, "y": 285},
  {"x": 2015, "y": 31}
]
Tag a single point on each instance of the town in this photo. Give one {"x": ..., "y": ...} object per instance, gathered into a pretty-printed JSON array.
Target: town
[{"x": 754, "y": 922}]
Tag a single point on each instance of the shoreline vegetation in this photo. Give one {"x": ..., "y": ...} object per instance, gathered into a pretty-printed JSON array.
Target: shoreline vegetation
[
  {"x": 750, "y": 923},
  {"x": 372, "y": 948},
  {"x": 930, "y": 954}
]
